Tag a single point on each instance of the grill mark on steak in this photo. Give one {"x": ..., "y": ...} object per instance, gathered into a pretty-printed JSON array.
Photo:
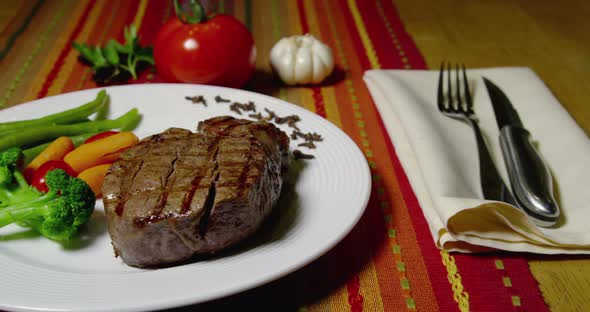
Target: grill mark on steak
[
  {"x": 168, "y": 184},
  {"x": 208, "y": 205},
  {"x": 213, "y": 148},
  {"x": 210, "y": 199},
  {"x": 125, "y": 187},
  {"x": 246, "y": 169}
]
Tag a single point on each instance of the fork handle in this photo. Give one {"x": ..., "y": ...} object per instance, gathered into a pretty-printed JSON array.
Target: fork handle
[{"x": 492, "y": 184}]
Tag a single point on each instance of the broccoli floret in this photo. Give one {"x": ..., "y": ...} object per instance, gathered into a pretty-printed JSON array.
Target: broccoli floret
[
  {"x": 10, "y": 157},
  {"x": 9, "y": 161},
  {"x": 12, "y": 182},
  {"x": 57, "y": 214}
]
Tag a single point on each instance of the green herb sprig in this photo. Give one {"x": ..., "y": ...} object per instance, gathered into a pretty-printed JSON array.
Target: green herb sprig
[{"x": 116, "y": 62}]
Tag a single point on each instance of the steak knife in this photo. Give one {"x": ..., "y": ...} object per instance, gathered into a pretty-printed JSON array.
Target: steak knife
[{"x": 532, "y": 183}]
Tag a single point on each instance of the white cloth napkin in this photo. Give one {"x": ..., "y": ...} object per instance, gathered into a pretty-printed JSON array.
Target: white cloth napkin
[{"x": 439, "y": 156}]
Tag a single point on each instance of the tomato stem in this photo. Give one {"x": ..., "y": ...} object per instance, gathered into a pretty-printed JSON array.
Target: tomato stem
[{"x": 196, "y": 14}]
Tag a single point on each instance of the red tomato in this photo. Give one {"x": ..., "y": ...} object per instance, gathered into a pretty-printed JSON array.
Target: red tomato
[
  {"x": 100, "y": 135},
  {"x": 38, "y": 179},
  {"x": 218, "y": 51}
]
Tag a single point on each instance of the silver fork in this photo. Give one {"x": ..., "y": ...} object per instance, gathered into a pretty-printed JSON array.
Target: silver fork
[{"x": 459, "y": 105}]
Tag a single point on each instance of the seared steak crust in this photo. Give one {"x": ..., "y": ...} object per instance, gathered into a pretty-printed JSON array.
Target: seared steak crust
[{"x": 177, "y": 194}]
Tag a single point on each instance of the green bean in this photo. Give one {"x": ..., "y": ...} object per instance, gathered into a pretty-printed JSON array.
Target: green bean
[
  {"x": 68, "y": 116},
  {"x": 44, "y": 133}
]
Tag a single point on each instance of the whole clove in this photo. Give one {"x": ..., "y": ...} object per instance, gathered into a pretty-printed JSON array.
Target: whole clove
[
  {"x": 219, "y": 99},
  {"x": 296, "y": 134},
  {"x": 239, "y": 107},
  {"x": 250, "y": 107},
  {"x": 235, "y": 108},
  {"x": 309, "y": 138},
  {"x": 199, "y": 99},
  {"x": 257, "y": 116},
  {"x": 308, "y": 144},
  {"x": 290, "y": 120},
  {"x": 271, "y": 115}
]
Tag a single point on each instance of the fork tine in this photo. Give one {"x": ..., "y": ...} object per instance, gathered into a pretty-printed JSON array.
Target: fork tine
[
  {"x": 458, "y": 87},
  {"x": 450, "y": 91},
  {"x": 440, "y": 97},
  {"x": 467, "y": 93}
]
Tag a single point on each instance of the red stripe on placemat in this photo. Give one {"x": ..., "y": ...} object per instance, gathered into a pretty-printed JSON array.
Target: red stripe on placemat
[
  {"x": 414, "y": 56},
  {"x": 351, "y": 28},
  {"x": 523, "y": 285},
  {"x": 64, "y": 51},
  {"x": 520, "y": 294},
  {"x": 152, "y": 21},
  {"x": 490, "y": 293},
  {"x": 302, "y": 16},
  {"x": 355, "y": 299},
  {"x": 379, "y": 34},
  {"x": 131, "y": 12},
  {"x": 320, "y": 107}
]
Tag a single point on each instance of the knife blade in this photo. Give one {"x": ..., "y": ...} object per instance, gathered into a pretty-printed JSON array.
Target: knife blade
[{"x": 531, "y": 180}]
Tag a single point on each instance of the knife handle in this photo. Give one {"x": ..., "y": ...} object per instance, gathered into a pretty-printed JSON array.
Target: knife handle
[{"x": 530, "y": 177}]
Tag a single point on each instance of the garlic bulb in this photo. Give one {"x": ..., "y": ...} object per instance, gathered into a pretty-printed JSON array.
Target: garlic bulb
[{"x": 301, "y": 60}]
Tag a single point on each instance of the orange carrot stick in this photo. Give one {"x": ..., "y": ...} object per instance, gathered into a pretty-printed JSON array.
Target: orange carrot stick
[
  {"x": 56, "y": 150},
  {"x": 94, "y": 176},
  {"x": 99, "y": 152}
]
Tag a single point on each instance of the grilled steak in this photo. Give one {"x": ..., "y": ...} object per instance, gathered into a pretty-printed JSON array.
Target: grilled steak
[{"x": 179, "y": 193}]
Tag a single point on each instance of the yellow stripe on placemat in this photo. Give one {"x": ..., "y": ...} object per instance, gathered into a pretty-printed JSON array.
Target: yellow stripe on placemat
[
  {"x": 140, "y": 13},
  {"x": 337, "y": 300},
  {"x": 294, "y": 18},
  {"x": 72, "y": 56},
  {"x": 329, "y": 95},
  {"x": 369, "y": 284},
  {"x": 459, "y": 294},
  {"x": 358, "y": 20}
]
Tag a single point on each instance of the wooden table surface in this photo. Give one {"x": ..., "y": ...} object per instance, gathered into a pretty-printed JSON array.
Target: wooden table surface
[{"x": 552, "y": 38}]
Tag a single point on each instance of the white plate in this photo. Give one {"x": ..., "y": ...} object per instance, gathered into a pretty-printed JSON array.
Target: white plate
[{"x": 327, "y": 199}]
